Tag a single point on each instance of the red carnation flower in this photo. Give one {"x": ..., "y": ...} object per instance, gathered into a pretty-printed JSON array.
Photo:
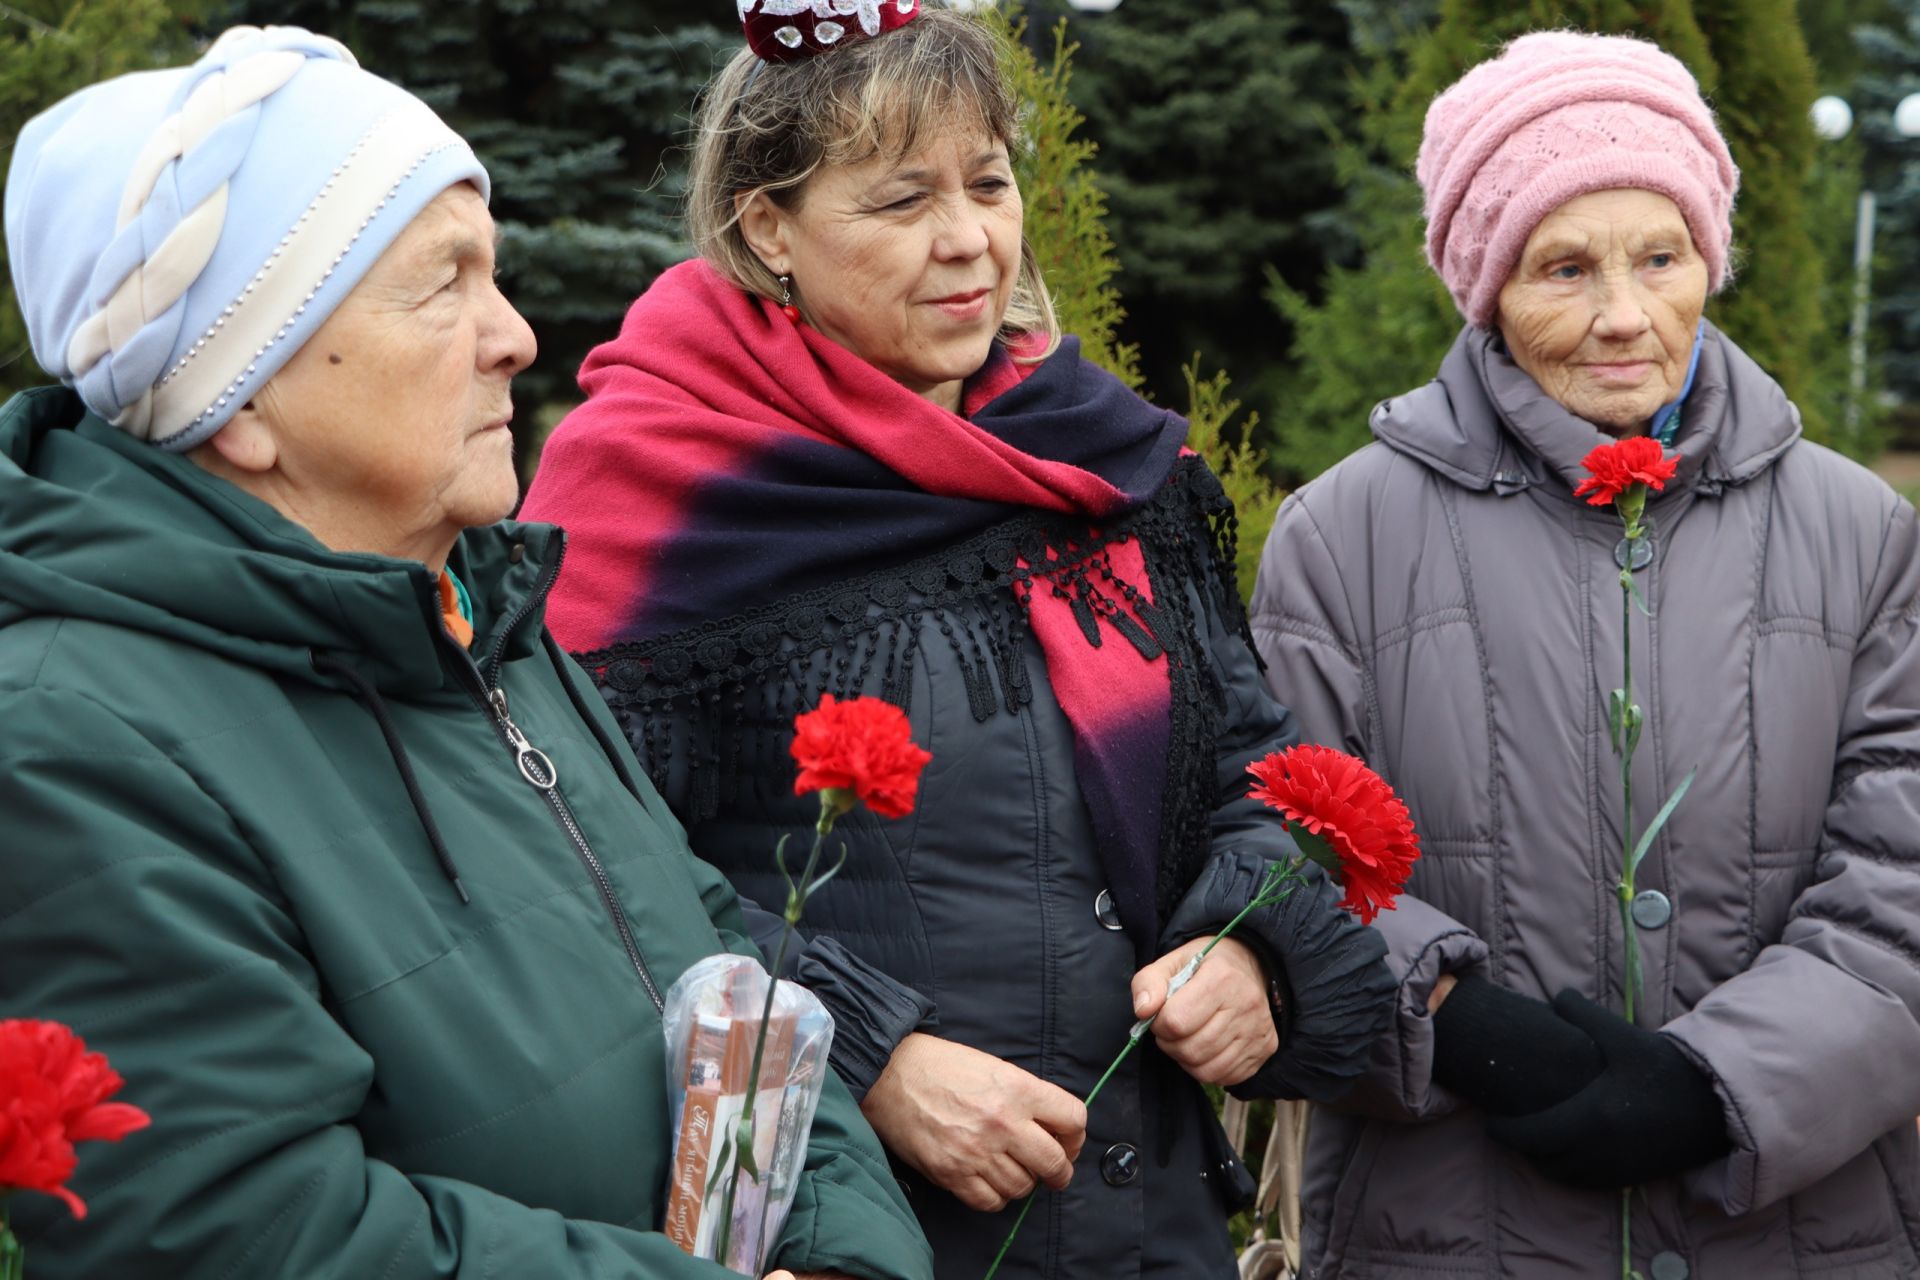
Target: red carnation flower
[
  {"x": 1351, "y": 808},
  {"x": 53, "y": 1093},
  {"x": 1613, "y": 468},
  {"x": 864, "y": 747}
]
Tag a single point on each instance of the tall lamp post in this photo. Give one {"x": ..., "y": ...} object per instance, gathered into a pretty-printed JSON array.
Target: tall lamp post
[{"x": 1833, "y": 120}]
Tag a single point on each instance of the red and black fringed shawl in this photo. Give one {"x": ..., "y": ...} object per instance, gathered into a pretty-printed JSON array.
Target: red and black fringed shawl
[{"x": 755, "y": 517}]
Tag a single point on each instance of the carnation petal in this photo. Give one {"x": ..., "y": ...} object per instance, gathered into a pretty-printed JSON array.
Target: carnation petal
[{"x": 107, "y": 1122}]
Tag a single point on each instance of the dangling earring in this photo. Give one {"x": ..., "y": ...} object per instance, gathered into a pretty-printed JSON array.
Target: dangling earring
[{"x": 786, "y": 300}]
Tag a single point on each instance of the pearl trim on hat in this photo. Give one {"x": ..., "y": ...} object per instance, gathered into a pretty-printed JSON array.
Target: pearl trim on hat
[
  {"x": 213, "y": 330},
  {"x": 149, "y": 286}
]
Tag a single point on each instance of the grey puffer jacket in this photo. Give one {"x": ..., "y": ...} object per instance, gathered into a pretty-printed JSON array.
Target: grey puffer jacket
[{"x": 1442, "y": 605}]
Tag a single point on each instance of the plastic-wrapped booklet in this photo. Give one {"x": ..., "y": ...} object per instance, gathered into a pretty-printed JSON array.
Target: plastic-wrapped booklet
[{"x": 712, "y": 1022}]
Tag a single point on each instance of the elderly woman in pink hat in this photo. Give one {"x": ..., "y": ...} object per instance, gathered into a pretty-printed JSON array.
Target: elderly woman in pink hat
[{"x": 1443, "y": 604}]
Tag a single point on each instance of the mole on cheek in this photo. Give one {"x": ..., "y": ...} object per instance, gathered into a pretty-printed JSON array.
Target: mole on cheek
[{"x": 333, "y": 357}]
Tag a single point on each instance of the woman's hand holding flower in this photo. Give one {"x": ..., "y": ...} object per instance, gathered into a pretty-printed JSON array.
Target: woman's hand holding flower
[
  {"x": 981, "y": 1128},
  {"x": 1219, "y": 1026}
]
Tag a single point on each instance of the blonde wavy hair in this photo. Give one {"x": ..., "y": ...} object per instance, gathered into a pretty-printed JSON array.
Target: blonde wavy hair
[{"x": 766, "y": 129}]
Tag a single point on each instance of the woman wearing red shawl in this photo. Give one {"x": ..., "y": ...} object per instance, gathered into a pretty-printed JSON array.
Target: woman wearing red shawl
[{"x": 847, "y": 451}]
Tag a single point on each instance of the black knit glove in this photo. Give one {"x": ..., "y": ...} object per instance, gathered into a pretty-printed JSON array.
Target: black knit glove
[
  {"x": 1651, "y": 1114},
  {"x": 1509, "y": 1054}
]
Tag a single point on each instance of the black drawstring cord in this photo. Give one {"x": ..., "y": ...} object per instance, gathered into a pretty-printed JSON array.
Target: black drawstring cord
[
  {"x": 563, "y": 667},
  {"x": 369, "y": 697}
]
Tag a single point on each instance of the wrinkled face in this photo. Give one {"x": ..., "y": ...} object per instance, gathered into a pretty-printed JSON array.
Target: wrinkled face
[
  {"x": 907, "y": 262},
  {"x": 390, "y": 424},
  {"x": 1602, "y": 308}
]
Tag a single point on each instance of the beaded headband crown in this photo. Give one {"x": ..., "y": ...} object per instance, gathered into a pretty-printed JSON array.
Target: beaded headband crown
[{"x": 788, "y": 30}]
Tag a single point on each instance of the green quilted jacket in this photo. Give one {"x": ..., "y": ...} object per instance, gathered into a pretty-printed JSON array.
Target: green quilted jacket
[{"x": 279, "y": 847}]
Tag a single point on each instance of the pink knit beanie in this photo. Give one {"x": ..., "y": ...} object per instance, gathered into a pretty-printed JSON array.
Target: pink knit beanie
[{"x": 1556, "y": 115}]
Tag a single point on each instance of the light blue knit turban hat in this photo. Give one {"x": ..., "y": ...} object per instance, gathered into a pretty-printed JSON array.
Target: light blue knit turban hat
[{"x": 175, "y": 236}]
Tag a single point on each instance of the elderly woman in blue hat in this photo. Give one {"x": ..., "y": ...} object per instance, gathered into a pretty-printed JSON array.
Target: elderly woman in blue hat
[{"x": 310, "y": 826}]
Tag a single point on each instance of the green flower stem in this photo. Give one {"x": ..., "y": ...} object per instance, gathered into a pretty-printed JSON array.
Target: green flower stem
[
  {"x": 1278, "y": 874},
  {"x": 830, "y": 808},
  {"x": 1629, "y": 942},
  {"x": 13, "y": 1258},
  {"x": 1626, "y": 1235},
  {"x": 1026, "y": 1206},
  {"x": 1632, "y": 505}
]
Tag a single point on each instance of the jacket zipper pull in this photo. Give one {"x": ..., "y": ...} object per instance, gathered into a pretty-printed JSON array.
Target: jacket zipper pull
[{"x": 535, "y": 767}]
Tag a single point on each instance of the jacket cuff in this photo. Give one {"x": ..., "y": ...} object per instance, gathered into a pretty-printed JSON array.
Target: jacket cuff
[
  {"x": 1423, "y": 944},
  {"x": 871, "y": 1011},
  {"x": 1339, "y": 991}
]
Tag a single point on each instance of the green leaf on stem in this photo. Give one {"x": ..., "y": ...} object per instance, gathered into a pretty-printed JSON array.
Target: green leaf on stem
[
  {"x": 745, "y": 1158},
  {"x": 721, "y": 1166},
  {"x": 1634, "y": 721},
  {"x": 1316, "y": 850},
  {"x": 1633, "y": 589},
  {"x": 780, "y": 861},
  {"x": 819, "y": 882},
  {"x": 1659, "y": 821},
  {"x": 1630, "y": 941},
  {"x": 1616, "y": 716},
  {"x": 1279, "y": 882}
]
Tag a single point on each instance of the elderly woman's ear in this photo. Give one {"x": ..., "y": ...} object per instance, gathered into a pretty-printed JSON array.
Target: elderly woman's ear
[
  {"x": 763, "y": 225},
  {"x": 244, "y": 447}
]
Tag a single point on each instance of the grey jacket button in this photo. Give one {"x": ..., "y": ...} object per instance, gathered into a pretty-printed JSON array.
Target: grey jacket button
[
  {"x": 1120, "y": 1165},
  {"x": 1651, "y": 909},
  {"x": 1103, "y": 912},
  {"x": 1669, "y": 1266},
  {"x": 1642, "y": 553}
]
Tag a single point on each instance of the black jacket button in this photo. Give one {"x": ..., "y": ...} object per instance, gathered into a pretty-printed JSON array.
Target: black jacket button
[
  {"x": 1120, "y": 1166},
  {"x": 1104, "y": 912}
]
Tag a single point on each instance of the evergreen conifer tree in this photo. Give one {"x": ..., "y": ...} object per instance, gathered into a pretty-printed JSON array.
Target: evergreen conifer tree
[
  {"x": 1889, "y": 70},
  {"x": 576, "y": 107},
  {"x": 48, "y": 49},
  {"x": 1066, "y": 210},
  {"x": 1209, "y": 116},
  {"x": 1383, "y": 326},
  {"x": 1763, "y": 98},
  {"x": 1066, "y": 228}
]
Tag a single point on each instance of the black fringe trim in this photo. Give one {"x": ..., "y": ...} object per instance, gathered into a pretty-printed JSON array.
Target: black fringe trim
[{"x": 696, "y": 703}]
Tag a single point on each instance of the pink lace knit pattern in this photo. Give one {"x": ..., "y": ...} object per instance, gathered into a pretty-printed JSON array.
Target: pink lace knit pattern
[{"x": 1559, "y": 114}]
